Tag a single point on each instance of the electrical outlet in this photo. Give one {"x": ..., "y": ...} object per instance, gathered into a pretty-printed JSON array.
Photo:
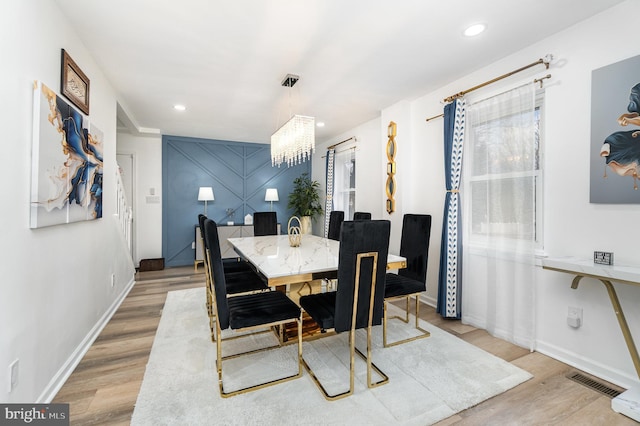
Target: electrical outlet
[
  {"x": 13, "y": 374},
  {"x": 574, "y": 317},
  {"x": 113, "y": 280}
]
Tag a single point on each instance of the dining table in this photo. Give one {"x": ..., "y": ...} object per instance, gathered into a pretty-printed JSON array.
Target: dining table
[{"x": 281, "y": 264}]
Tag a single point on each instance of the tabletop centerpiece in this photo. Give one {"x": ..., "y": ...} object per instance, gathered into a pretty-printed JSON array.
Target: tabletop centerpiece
[{"x": 294, "y": 232}]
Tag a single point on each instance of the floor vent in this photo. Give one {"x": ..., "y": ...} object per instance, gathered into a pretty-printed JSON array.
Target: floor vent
[{"x": 593, "y": 384}]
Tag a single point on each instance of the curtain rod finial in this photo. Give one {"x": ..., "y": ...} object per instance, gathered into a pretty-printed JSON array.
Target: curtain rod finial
[{"x": 547, "y": 59}]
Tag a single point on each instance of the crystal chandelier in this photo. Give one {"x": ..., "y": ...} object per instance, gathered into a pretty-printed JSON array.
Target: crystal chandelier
[{"x": 294, "y": 142}]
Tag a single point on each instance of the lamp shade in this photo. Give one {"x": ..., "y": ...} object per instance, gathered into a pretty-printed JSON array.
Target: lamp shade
[
  {"x": 271, "y": 194},
  {"x": 205, "y": 193}
]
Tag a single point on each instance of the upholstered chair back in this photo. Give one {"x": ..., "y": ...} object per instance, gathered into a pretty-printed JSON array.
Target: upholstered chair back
[
  {"x": 361, "y": 237},
  {"x": 414, "y": 245},
  {"x": 201, "y": 219},
  {"x": 217, "y": 272},
  {"x": 362, "y": 216},
  {"x": 265, "y": 223},
  {"x": 335, "y": 222}
]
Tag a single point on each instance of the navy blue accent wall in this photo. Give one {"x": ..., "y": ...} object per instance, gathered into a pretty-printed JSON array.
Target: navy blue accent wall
[{"x": 239, "y": 173}]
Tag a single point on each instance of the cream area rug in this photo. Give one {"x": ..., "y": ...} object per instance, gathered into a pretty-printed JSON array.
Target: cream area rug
[{"x": 429, "y": 379}]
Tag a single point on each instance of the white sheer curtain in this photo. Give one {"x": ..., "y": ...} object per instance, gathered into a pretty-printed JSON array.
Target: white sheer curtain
[
  {"x": 344, "y": 183},
  {"x": 501, "y": 175}
]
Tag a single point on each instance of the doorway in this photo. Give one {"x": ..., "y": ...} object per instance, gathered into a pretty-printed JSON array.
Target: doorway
[{"x": 126, "y": 164}]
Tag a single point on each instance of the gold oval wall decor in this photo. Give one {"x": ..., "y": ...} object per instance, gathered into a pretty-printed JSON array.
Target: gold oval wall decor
[{"x": 390, "y": 186}]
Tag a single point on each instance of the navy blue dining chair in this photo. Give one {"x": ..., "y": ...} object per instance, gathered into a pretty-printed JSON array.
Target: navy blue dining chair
[
  {"x": 336, "y": 218},
  {"x": 362, "y": 216},
  {"x": 248, "y": 312},
  {"x": 358, "y": 301},
  {"x": 412, "y": 280},
  {"x": 265, "y": 223}
]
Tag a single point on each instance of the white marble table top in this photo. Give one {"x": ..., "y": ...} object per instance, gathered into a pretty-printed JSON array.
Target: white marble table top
[
  {"x": 581, "y": 266},
  {"x": 277, "y": 261}
]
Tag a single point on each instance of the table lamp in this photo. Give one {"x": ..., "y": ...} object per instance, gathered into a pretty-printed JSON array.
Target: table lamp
[
  {"x": 205, "y": 194},
  {"x": 271, "y": 195}
]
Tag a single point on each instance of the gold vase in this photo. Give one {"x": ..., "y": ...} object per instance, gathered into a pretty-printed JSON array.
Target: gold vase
[{"x": 305, "y": 224}]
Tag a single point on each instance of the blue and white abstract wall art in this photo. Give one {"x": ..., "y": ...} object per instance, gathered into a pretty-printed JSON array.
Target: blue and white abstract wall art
[{"x": 67, "y": 163}]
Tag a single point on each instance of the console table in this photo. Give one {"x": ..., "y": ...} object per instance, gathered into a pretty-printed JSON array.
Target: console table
[{"x": 627, "y": 403}]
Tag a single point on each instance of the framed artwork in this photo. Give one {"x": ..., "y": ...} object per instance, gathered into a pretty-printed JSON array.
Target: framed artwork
[
  {"x": 615, "y": 133},
  {"x": 74, "y": 84},
  {"x": 67, "y": 162}
]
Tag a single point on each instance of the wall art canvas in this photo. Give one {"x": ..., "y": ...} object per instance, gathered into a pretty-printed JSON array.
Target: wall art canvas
[
  {"x": 67, "y": 163},
  {"x": 615, "y": 133}
]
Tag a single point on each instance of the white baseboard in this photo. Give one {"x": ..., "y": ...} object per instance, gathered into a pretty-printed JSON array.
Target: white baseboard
[
  {"x": 72, "y": 362},
  {"x": 628, "y": 403},
  {"x": 582, "y": 363},
  {"x": 428, "y": 300},
  {"x": 605, "y": 372}
]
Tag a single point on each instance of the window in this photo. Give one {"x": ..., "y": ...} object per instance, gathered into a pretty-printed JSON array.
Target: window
[
  {"x": 503, "y": 174},
  {"x": 344, "y": 187}
]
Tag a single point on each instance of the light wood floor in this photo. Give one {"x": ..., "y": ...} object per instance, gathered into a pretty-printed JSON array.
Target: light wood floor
[{"x": 104, "y": 387}]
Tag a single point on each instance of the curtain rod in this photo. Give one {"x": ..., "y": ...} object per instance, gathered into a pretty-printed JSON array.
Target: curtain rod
[
  {"x": 353, "y": 148},
  {"x": 346, "y": 140},
  {"x": 546, "y": 61},
  {"x": 537, "y": 80}
]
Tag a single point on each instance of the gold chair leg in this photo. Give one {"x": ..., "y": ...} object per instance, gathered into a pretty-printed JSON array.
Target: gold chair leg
[
  {"x": 423, "y": 333},
  {"x": 370, "y": 364},
  {"x": 211, "y": 316},
  {"x": 352, "y": 338},
  {"x": 352, "y": 352},
  {"x": 212, "y": 312},
  {"x": 220, "y": 358},
  {"x": 218, "y": 341}
]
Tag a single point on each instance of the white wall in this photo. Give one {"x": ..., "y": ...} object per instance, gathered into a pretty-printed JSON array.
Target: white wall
[
  {"x": 56, "y": 281},
  {"x": 369, "y": 165},
  {"x": 573, "y": 226},
  {"x": 147, "y": 152}
]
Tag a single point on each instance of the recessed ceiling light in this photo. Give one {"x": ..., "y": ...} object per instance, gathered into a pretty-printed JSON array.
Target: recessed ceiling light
[
  {"x": 475, "y": 29},
  {"x": 179, "y": 107},
  {"x": 320, "y": 124}
]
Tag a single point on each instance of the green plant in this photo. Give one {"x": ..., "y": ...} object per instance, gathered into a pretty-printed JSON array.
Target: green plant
[{"x": 305, "y": 199}]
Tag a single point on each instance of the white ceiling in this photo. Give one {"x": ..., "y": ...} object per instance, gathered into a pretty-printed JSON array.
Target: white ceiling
[{"x": 225, "y": 60}]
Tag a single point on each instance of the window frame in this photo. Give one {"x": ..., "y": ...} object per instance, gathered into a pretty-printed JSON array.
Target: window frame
[
  {"x": 480, "y": 241},
  {"x": 340, "y": 190}
]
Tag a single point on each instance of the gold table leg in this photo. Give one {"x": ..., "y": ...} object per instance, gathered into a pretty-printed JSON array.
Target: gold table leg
[{"x": 628, "y": 338}]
